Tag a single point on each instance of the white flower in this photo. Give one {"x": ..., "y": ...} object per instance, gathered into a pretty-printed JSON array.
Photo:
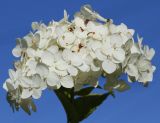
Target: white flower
[
  {"x": 67, "y": 82},
  {"x": 140, "y": 68},
  {"x": 20, "y": 47},
  {"x": 109, "y": 66},
  {"x": 42, "y": 70},
  {"x": 111, "y": 53},
  {"x": 76, "y": 53},
  {"x": 96, "y": 30},
  {"x": 122, "y": 29},
  {"x": 79, "y": 22},
  {"x": 32, "y": 87},
  {"x": 14, "y": 80},
  {"x": 53, "y": 80},
  {"x": 139, "y": 64},
  {"x": 66, "y": 39}
]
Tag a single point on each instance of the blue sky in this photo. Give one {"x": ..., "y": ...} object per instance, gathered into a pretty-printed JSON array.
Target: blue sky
[{"x": 138, "y": 105}]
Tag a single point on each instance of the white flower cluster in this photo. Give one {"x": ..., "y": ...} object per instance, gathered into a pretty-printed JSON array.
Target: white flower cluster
[{"x": 71, "y": 54}]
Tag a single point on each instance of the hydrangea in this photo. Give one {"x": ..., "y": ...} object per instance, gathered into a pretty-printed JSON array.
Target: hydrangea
[{"x": 75, "y": 53}]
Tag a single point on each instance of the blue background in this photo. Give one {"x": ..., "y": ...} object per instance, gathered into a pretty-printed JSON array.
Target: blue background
[{"x": 138, "y": 105}]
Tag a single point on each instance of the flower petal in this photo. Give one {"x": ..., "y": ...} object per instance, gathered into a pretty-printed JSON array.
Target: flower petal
[
  {"x": 72, "y": 70},
  {"x": 119, "y": 55},
  {"x": 132, "y": 70},
  {"x": 36, "y": 93},
  {"x": 26, "y": 93},
  {"x": 42, "y": 69},
  {"x": 84, "y": 68},
  {"x": 53, "y": 79},
  {"x": 67, "y": 82},
  {"x": 47, "y": 58},
  {"x": 109, "y": 66},
  {"x": 17, "y": 51}
]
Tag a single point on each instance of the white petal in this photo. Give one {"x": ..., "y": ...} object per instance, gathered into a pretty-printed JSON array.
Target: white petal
[
  {"x": 79, "y": 22},
  {"x": 12, "y": 74},
  {"x": 65, "y": 15},
  {"x": 132, "y": 31},
  {"x": 61, "y": 42},
  {"x": 116, "y": 40},
  {"x": 31, "y": 63},
  {"x": 96, "y": 45},
  {"x": 153, "y": 68},
  {"x": 42, "y": 69},
  {"x": 25, "y": 82},
  {"x": 150, "y": 54},
  {"x": 91, "y": 26},
  {"x": 76, "y": 60},
  {"x": 135, "y": 49},
  {"x": 67, "y": 82},
  {"x": 61, "y": 72},
  {"x": 108, "y": 66},
  {"x": 53, "y": 79},
  {"x": 99, "y": 55},
  {"x": 103, "y": 30},
  {"x": 39, "y": 53},
  {"x": 145, "y": 77},
  {"x": 60, "y": 30},
  {"x": 17, "y": 51},
  {"x": 47, "y": 58},
  {"x": 84, "y": 68},
  {"x": 69, "y": 37},
  {"x": 67, "y": 54},
  {"x": 122, "y": 28},
  {"x": 43, "y": 43},
  {"x": 72, "y": 70},
  {"x": 61, "y": 65},
  {"x": 26, "y": 93},
  {"x": 132, "y": 70},
  {"x": 113, "y": 28},
  {"x": 30, "y": 52},
  {"x": 119, "y": 55},
  {"x": 53, "y": 49},
  {"x": 87, "y": 11},
  {"x": 36, "y": 93},
  {"x": 35, "y": 25},
  {"x": 8, "y": 85},
  {"x": 80, "y": 34},
  {"x": 36, "y": 81},
  {"x": 5, "y": 86}
]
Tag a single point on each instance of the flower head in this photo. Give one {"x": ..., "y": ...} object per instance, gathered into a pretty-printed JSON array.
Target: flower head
[{"x": 76, "y": 53}]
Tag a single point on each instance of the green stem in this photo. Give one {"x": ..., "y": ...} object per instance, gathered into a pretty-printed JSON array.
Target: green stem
[{"x": 68, "y": 104}]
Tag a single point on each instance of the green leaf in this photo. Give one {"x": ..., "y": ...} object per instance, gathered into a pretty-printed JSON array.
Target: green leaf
[
  {"x": 132, "y": 79},
  {"x": 123, "y": 86},
  {"x": 33, "y": 106},
  {"x": 115, "y": 75},
  {"x": 68, "y": 104},
  {"x": 146, "y": 84},
  {"x": 110, "y": 85},
  {"x": 11, "y": 102},
  {"x": 86, "y": 105},
  {"x": 15, "y": 102},
  {"x": 84, "y": 91},
  {"x": 118, "y": 85},
  {"x": 27, "y": 105}
]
